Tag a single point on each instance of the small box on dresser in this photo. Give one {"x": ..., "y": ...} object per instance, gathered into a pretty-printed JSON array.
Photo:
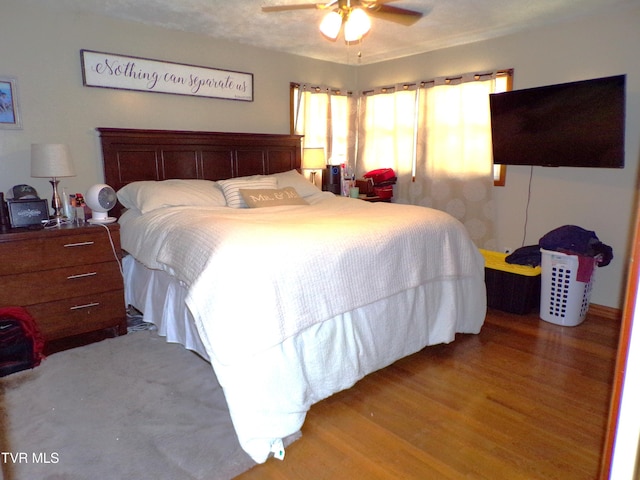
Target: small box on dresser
[{"x": 67, "y": 278}]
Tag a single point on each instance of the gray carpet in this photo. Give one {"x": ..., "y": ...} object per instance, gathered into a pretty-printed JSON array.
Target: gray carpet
[{"x": 132, "y": 407}]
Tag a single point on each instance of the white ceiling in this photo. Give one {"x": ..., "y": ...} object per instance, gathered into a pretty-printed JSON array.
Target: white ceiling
[{"x": 445, "y": 23}]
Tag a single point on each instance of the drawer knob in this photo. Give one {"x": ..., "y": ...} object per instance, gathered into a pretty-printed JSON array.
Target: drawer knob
[
  {"x": 86, "y": 305},
  {"x": 79, "y": 244},
  {"x": 82, "y": 275}
]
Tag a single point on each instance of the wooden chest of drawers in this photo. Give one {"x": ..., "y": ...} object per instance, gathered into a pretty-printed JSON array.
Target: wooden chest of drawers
[{"x": 68, "y": 279}]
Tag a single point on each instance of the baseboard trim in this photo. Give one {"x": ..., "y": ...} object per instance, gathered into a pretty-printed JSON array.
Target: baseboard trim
[{"x": 605, "y": 312}]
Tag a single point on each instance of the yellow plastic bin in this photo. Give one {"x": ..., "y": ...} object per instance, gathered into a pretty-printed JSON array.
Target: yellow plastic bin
[{"x": 510, "y": 288}]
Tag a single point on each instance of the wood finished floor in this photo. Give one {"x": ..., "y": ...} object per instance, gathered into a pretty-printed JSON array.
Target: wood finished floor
[{"x": 524, "y": 399}]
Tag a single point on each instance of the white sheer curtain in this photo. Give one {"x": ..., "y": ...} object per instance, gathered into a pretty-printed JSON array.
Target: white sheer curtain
[
  {"x": 454, "y": 166},
  {"x": 388, "y": 127},
  {"x": 327, "y": 119},
  {"x": 437, "y": 136}
]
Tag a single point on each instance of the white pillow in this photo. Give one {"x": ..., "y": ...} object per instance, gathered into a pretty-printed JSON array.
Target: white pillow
[
  {"x": 150, "y": 195},
  {"x": 295, "y": 179},
  {"x": 231, "y": 188}
]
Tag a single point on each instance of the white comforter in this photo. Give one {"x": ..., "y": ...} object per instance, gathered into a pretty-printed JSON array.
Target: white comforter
[
  {"x": 259, "y": 276},
  {"x": 295, "y": 303}
]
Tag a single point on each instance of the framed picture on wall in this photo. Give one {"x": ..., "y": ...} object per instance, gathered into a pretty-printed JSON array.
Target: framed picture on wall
[{"x": 9, "y": 113}]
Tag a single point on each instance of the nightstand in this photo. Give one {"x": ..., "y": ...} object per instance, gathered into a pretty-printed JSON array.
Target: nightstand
[
  {"x": 68, "y": 279},
  {"x": 366, "y": 189}
]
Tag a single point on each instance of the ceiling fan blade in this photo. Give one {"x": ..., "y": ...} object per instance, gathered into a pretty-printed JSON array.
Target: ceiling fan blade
[
  {"x": 297, "y": 6},
  {"x": 394, "y": 14}
]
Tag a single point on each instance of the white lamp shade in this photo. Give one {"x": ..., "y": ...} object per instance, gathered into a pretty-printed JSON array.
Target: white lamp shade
[
  {"x": 331, "y": 24},
  {"x": 51, "y": 160},
  {"x": 313, "y": 159},
  {"x": 357, "y": 25}
]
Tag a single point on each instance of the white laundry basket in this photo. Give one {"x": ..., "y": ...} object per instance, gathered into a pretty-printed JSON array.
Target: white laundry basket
[{"x": 563, "y": 299}]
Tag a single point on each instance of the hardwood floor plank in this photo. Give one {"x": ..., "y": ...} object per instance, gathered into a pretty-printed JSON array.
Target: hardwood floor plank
[{"x": 524, "y": 399}]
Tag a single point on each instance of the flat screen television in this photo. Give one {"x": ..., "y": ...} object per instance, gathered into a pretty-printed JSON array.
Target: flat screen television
[{"x": 576, "y": 124}]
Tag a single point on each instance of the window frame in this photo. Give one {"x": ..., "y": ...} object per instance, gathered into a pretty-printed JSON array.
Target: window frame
[{"x": 500, "y": 171}]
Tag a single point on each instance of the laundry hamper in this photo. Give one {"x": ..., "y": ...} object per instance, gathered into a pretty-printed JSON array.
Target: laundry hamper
[{"x": 563, "y": 299}]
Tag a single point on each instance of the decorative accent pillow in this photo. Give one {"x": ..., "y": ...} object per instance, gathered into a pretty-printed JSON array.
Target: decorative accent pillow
[
  {"x": 295, "y": 179},
  {"x": 149, "y": 195},
  {"x": 231, "y": 188},
  {"x": 271, "y": 197}
]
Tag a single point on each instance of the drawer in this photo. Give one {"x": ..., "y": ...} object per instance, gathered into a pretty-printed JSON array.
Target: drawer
[
  {"x": 79, "y": 315},
  {"x": 89, "y": 246},
  {"x": 50, "y": 285}
]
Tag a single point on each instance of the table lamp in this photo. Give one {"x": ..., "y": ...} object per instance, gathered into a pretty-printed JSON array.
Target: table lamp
[
  {"x": 52, "y": 160},
  {"x": 313, "y": 159}
]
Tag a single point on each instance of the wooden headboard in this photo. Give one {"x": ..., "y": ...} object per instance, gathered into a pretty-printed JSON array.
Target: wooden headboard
[{"x": 131, "y": 155}]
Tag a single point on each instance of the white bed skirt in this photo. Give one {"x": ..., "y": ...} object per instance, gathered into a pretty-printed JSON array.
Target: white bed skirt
[{"x": 270, "y": 392}]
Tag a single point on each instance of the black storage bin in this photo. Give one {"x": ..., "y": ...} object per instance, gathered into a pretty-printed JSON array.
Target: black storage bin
[{"x": 511, "y": 288}]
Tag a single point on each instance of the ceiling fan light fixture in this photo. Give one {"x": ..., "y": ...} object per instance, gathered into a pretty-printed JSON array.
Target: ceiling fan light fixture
[
  {"x": 355, "y": 15},
  {"x": 357, "y": 25},
  {"x": 331, "y": 25}
]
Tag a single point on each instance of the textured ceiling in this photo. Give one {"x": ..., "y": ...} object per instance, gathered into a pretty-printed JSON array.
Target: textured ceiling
[{"x": 445, "y": 23}]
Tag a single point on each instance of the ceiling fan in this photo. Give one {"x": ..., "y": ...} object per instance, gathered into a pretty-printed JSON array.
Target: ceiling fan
[{"x": 353, "y": 15}]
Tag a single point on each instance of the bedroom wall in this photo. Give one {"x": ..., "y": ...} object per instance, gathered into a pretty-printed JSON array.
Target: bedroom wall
[
  {"x": 601, "y": 200},
  {"x": 41, "y": 48}
]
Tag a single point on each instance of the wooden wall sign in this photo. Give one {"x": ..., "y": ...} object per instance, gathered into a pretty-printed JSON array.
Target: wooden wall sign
[{"x": 108, "y": 70}]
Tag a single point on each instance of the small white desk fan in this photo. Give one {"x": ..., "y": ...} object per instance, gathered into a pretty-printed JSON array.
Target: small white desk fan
[{"x": 100, "y": 199}]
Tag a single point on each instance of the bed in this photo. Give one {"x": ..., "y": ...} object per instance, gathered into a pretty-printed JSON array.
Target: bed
[{"x": 289, "y": 303}]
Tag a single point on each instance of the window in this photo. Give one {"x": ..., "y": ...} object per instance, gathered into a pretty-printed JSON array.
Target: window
[
  {"x": 323, "y": 115},
  {"x": 386, "y": 134}
]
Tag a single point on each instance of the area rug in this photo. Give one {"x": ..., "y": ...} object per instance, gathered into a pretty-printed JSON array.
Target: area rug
[{"x": 131, "y": 407}]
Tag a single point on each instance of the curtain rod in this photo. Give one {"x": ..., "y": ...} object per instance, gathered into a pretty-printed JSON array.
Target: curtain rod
[
  {"x": 408, "y": 85},
  {"x": 454, "y": 79},
  {"x": 321, "y": 88}
]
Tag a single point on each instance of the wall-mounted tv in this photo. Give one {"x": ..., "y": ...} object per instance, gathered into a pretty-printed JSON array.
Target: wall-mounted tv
[{"x": 576, "y": 124}]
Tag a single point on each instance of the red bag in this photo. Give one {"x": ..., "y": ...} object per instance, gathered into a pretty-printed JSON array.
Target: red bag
[
  {"x": 21, "y": 344},
  {"x": 383, "y": 192},
  {"x": 381, "y": 175}
]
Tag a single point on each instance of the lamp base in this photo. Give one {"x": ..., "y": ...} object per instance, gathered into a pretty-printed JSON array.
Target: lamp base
[{"x": 56, "y": 204}]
